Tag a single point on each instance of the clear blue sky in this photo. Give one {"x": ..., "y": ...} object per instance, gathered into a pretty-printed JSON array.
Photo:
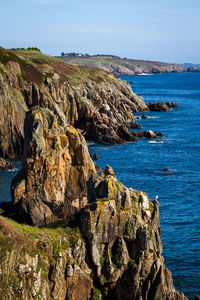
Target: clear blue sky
[{"x": 165, "y": 30}]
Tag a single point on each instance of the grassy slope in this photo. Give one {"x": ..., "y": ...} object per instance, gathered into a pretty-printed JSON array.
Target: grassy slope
[
  {"x": 36, "y": 66},
  {"x": 23, "y": 237}
]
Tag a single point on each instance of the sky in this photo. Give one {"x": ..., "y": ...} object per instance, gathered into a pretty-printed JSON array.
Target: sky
[{"x": 162, "y": 30}]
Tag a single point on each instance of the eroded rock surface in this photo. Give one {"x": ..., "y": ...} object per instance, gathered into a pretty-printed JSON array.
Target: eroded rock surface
[
  {"x": 5, "y": 165},
  {"x": 161, "y": 106},
  {"x": 56, "y": 166},
  {"x": 111, "y": 250},
  {"x": 92, "y": 100}
]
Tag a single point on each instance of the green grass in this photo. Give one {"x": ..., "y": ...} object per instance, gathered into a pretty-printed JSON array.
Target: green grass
[
  {"x": 36, "y": 66},
  {"x": 31, "y": 239}
]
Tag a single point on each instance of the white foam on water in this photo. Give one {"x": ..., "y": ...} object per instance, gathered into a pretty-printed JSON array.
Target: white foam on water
[
  {"x": 13, "y": 170},
  {"x": 153, "y": 117},
  {"x": 144, "y": 74},
  {"x": 155, "y": 142}
]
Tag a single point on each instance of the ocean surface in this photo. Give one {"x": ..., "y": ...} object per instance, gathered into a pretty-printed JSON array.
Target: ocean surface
[{"x": 140, "y": 166}]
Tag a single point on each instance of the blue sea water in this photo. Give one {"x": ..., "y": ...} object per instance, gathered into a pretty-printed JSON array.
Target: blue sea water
[{"x": 140, "y": 166}]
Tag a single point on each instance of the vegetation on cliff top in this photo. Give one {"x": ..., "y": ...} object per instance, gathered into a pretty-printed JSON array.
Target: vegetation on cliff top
[
  {"x": 14, "y": 235},
  {"x": 36, "y": 66}
]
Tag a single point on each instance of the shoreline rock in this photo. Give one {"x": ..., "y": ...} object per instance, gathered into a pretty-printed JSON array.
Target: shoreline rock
[
  {"x": 5, "y": 165},
  {"x": 161, "y": 106}
]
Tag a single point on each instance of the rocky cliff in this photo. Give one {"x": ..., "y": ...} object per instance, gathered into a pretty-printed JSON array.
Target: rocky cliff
[
  {"x": 106, "y": 242},
  {"x": 97, "y": 238},
  {"x": 92, "y": 100},
  {"x": 56, "y": 167}
]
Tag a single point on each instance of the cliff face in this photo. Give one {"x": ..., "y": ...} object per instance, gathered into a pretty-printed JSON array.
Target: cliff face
[
  {"x": 111, "y": 249},
  {"x": 101, "y": 240},
  {"x": 92, "y": 100}
]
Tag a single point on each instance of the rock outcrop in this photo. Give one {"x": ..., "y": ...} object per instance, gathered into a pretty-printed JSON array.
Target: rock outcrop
[
  {"x": 94, "y": 101},
  {"x": 161, "y": 106},
  {"x": 148, "y": 134},
  {"x": 110, "y": 250},
  {"x": 106, "y": 242},
  {"x": 5, "y": 165},
  {"x": 56, "y": 166}
]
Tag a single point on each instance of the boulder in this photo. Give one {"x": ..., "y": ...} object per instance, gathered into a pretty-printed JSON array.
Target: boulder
[
  {"x": 144, "y": 117},
  {"x": 166, "y": 170},
  {"x": 56, "y": 166}
]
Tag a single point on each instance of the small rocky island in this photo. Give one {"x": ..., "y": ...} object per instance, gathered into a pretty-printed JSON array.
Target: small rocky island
[{"x": 74, "y": 234}]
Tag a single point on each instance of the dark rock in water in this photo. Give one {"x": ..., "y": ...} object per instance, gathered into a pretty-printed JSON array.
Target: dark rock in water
[
  {"x": 144, "y": 117},
  {"x": 95, "y": 157},
  {"x": 161, "y": 106},
  {"x": 98, "y": 168},
  {"x": 167, "y": 170},
  {"x": 136, "y": 125},
  {"x": 149, "y": 134},
  {"x": 5, "y": 165}
]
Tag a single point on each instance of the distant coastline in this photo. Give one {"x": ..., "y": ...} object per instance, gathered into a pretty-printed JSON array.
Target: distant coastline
[{"x": 124, "y": 66}]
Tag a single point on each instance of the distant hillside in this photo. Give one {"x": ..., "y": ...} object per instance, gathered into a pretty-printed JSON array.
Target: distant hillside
[
  {"x": 119, "y": 66},
  {"x": 188, "y": 65}
]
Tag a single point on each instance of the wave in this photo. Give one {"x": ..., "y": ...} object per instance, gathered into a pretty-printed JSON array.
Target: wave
[
  {"x": 153, "y": 117},
  {"x": 155, "y": 142},
  {"x": 13, "y": 170},
  {"x": 144, "y": 74},
  {"x": 90, "y": 143}
]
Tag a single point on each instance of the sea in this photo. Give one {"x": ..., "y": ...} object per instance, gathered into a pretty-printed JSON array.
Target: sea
[{"x": 141, "y": 165}]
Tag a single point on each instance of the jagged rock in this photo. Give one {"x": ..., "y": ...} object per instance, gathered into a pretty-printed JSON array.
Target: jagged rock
[
  {"x": 166, "y": 170},
  {"x": 123, "y": 235},
  {"x": 144, "y": 117},
  {"x": 149, "y": 134},
  {"x": 95, "y": 157},
  {"x": 5, "y": 165},
  {"x": 100, "y": 105},
  {"x": 161, "y": 106},
  {"x": 56, "y": 166}
]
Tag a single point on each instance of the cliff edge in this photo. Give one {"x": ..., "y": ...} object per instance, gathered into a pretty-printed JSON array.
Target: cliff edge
[
  {"x": 107, "y": 246},
  {"x": 89, "y": 99}
]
